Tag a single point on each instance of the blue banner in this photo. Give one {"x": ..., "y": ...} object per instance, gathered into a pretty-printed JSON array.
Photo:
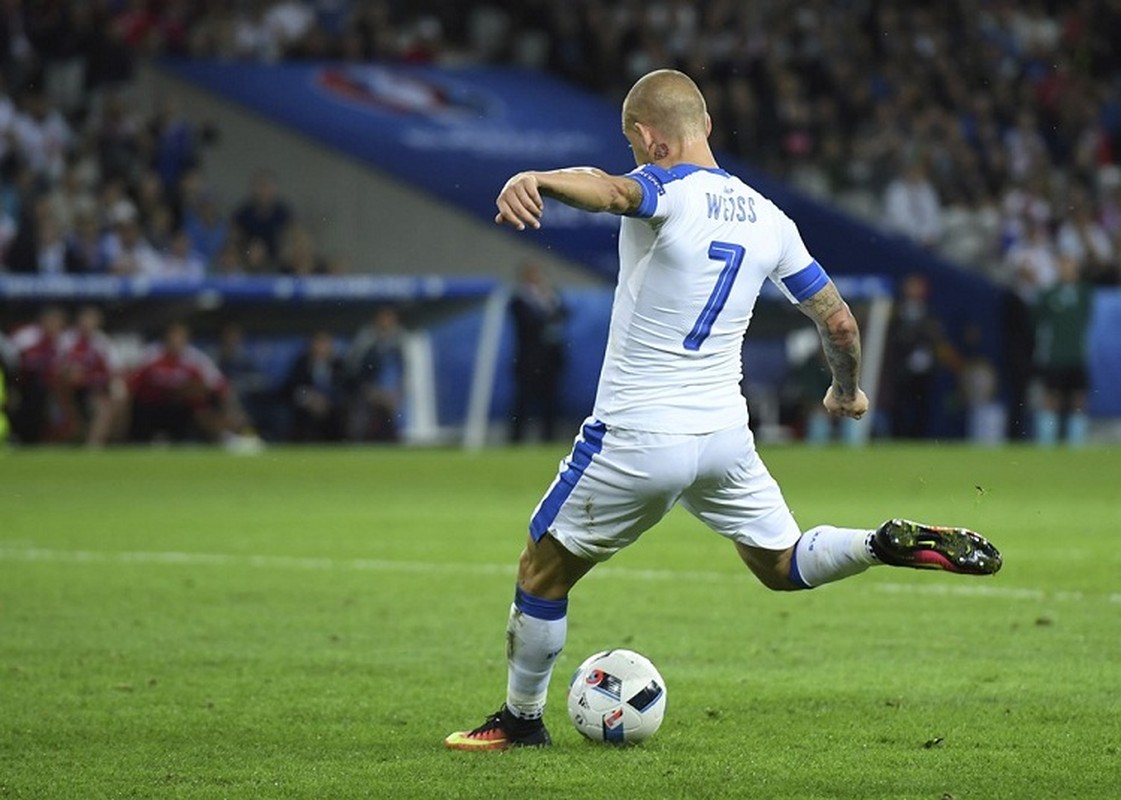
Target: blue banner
[
  {"x": 245, "y": 288},
  {"x": 457, "y": 134}
]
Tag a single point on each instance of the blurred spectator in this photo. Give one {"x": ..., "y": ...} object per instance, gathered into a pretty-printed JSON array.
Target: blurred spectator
[
  {"x": 126, "y": 250},
  {"x": 229, "y": 260},
  {"x": 1083, "y": 239},
  {"x": 152, "y": 207},
  {"x": 207, "y": 228},
  {"x": 1109, "y": 181},
  {"x": 39, "y": 244},
  {"x": 255, "y": 258},
  {"x": 375, "y": 367},
  {"x": 979, "y": 381},
  {"x": 24, "y": 250},
  {"x": 33, "y": 399},
  {"x": 118, "y": 135},
  {"x": 1062, "y": 319},
  {"x": 912, "y": 207},
  {"x": 51, "y": 251},
  {"x": 178, "y": 393},
  {"x": 916, "y": 347},
  {"x": 263, "y": 216},
  {"x": 1031, "y": 266},
  {"x": 287, "y": 24},
  {"x": 315, "y": 391},
  {"x": 90, "y": 387},
  {"x": 71, "y": 197},
  {"x": 174, "y": 143},
  {"x": 42, "y": 136},
  {"x": 298, "y": 253},
  {"x": 249, "y": 384},
  {"x": 84, "y": 251},
  {"x": 180, "y": 260},
  {"x": 540, "y": 316},
  {"x": 1026, "y": 151}
]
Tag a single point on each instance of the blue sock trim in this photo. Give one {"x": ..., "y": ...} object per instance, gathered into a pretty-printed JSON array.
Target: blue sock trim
[
  {"x": 539, "y": 607},
  {"x": 796, "y": 575}
]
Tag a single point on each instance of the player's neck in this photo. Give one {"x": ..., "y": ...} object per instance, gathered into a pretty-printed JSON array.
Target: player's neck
[{"x": 697, "y": 153}]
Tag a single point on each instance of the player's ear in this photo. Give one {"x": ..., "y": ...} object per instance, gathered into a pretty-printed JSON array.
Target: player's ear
[
  {"x": 646, "y": 134},
  {"x": 708, "y": 125}
]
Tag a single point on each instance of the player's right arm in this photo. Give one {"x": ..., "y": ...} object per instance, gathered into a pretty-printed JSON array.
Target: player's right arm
[
  {"x": 520, "y": 203},
  {"x": 840, "y": 337}
]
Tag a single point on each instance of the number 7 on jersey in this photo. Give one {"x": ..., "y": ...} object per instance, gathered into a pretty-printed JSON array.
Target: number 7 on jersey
[{"x": 732, "y": 256}]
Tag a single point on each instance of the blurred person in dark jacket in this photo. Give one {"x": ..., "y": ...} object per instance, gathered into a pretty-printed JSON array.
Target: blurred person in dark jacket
[
  {"x": 916, "y": 347},
  {"x": 376, "y": 371},
  {"x": 315, "y": 391},
  {"x": 539, "y": 316}
]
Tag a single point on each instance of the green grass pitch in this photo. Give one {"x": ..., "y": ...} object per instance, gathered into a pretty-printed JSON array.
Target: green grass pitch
[{"x": 311, "y": 623}]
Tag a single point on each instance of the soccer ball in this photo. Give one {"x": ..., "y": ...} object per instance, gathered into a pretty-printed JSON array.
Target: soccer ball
[{"x": 618, "y": 697}]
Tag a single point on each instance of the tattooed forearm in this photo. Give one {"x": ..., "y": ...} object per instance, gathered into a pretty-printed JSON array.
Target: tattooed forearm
[
  {"x": 592, "y": 189},
  {"x": 840, "y": 336},
  {"x": 842, "y": 351}
]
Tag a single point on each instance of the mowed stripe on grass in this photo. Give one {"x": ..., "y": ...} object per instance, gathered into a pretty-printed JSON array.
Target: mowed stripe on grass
[{"x": 93, "y": 557}]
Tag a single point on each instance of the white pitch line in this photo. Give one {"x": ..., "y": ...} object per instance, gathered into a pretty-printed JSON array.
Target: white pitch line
[{"x": 38, "y": 554}]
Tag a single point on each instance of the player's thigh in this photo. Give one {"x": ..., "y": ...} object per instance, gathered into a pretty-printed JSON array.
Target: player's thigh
[
  {"x": 610, "y": 489},
  {"x": 736, "y": 496}
]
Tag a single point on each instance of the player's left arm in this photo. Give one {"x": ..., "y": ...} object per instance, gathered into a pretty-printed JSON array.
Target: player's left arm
[
  {"x": 520, "y": 203},
  {"x": 840, "y": 338}
]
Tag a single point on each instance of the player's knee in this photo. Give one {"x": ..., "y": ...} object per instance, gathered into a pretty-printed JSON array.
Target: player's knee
[
  {"x": 771, "y": 567},
  {"x": 547, "y": 570},
  {"x": 778, "y": 582}
]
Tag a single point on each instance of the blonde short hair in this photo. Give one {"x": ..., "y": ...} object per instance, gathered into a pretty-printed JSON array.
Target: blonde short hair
[{"x": 669, "y": 101}]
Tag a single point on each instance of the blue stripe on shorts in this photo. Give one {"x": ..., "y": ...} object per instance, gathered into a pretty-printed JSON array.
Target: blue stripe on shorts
[{"x": 587, "y": 445}]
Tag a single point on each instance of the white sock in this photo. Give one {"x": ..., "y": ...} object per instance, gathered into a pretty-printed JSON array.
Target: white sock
[
  {"x": 535, "y": 635},
  {"x": 825, "y": 554}
]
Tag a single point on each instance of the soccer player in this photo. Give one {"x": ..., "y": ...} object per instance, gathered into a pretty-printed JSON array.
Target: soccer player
[
  {"x": 669, "y": 423},
  {"x": 34, "y": 380},
  {"x": 177, "y": 391},
  {"x": 90, "y": 385}
]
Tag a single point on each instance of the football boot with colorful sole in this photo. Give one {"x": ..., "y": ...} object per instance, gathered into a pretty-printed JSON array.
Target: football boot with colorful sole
[
  {"x": 501, "y": 731},
  {"x": 903, "y": 543}
]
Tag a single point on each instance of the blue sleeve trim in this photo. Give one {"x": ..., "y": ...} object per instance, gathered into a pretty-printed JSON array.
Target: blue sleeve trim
[
  {"x": 539, "y": 607},
  {"x": 653, "y": 181},
  {"x": 807, "y": 282}
]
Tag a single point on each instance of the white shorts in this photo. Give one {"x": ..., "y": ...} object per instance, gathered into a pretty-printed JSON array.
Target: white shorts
[{"x": 616, "y": 484}]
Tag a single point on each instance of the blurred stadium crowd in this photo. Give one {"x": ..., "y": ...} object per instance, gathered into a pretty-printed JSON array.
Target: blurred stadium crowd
[{"x": 986, "y": 130}]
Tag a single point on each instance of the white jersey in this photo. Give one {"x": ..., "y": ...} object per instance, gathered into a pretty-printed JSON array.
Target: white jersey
[{"x": 692, "y": 261}]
